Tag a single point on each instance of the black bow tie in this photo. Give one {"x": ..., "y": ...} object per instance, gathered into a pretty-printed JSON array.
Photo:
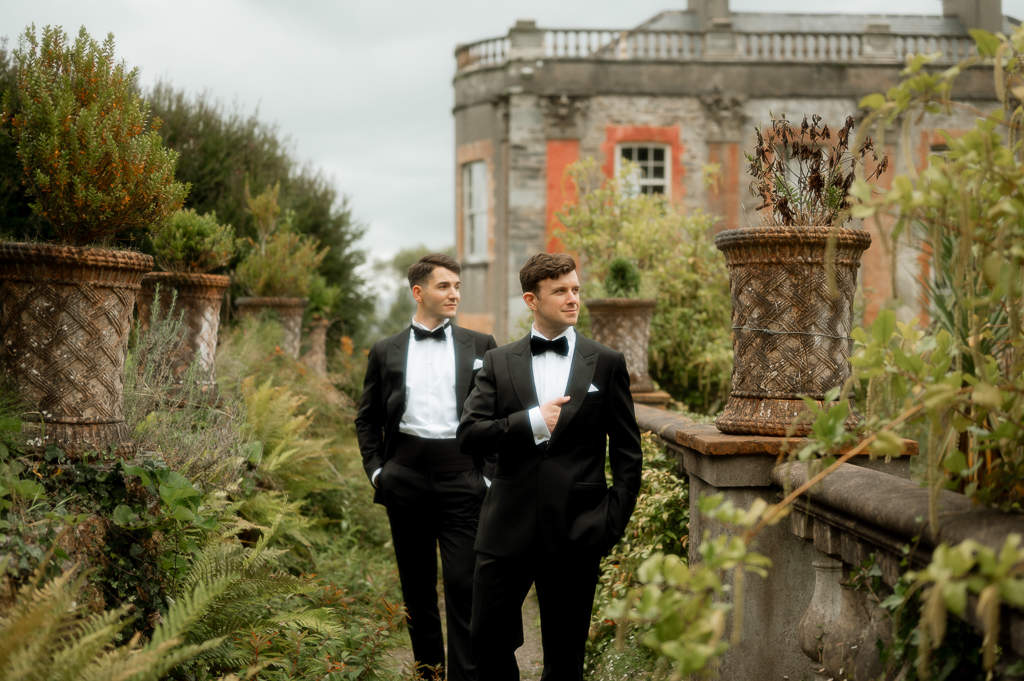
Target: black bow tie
[
  {"x": 538, "y": 345},
  {"x": 436, "y": 334}
]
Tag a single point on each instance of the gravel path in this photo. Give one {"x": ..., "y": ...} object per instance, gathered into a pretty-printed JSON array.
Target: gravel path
[{"x": 529, "y": 656}]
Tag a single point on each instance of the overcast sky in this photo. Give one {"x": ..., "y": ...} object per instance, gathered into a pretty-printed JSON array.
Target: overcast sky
[{"x": 362, "y": 89}]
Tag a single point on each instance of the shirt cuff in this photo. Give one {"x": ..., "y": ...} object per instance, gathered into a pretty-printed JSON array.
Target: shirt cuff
[
  {"x": 487, "y": 481},
  {"x": 540, "y": 429},
  {"x": 373, "y": 478}
]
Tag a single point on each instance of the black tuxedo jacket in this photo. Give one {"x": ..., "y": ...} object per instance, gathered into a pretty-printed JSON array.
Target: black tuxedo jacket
[
  {"x": 383, "y": 402},
  {"x": 557, "y": 488}
]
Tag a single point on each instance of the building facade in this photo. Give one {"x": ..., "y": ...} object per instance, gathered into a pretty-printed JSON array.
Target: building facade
[{"x": 681, "y": 91}]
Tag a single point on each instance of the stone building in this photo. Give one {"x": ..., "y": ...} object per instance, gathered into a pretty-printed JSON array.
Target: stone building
[{"x": 681, "y": 90}]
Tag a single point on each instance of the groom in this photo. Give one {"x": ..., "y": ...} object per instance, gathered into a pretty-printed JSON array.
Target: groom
[
  {"x": 416, "y": 383},
  {"x": 548, "y": 404}
]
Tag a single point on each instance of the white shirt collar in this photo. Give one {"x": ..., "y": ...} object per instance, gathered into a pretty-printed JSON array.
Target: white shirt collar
[
  {"x": 446, "y": 322},
  {"x": 569, "y": 333}
]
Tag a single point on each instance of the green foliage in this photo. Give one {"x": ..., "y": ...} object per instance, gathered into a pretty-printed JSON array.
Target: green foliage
[
  {"x": 958, "y": 658},
  {"x": 660, "y": 523},
  {"x": 51, "y": 636},
  {"x": 623, "y": 279},
  {"x": 174, "y": 415},
  {"x": 222, "y": 151},
  {"x": 684, "y": 606},
  {"x": 802, "y": 177},
  {"x": 962, "y": 378},
  {"x": 194, "y": 243},
  {"x": 16, "y": 217},
  {"x": 288, "y": 460},
  {"x": 90, "y": 164},
  {"x": 324, "y": 300},
  {"x": 690, "y": 348},
  {"x": 282, "y": 262},
  {"x": 968, "y": 568}
]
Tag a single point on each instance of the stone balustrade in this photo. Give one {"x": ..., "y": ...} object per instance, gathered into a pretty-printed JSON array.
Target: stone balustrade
[
  {"x": 878, "y": 46},
  {"x": 806, "y": 620}
]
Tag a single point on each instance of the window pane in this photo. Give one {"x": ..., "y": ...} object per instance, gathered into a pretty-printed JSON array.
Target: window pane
[
  {"x": 657, "y": 189},
  {"x": 641, "y": 154},
  {"x": 659, "y": 155},
  {"x": 658, "y": 172},
  {"x": 474, "y": 207},
  {"x": 627, "y": 153}
]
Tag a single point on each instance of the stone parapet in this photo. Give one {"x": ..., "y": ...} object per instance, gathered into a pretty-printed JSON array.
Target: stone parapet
[{"x": 805, "y": 620}]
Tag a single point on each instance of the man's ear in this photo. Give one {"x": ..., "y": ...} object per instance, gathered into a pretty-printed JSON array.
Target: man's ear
[
  {"x": 531, "y": 300},
  {"x": 417, "y": 293}
]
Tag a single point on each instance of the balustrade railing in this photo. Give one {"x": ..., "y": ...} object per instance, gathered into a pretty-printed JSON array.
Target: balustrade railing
[{"x": 617, "y": 45}]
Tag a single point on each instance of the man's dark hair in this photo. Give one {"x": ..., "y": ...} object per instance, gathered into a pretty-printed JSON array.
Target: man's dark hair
[
  {"x": 544, "y": 266},
  {"x": 420, "y": 271}
]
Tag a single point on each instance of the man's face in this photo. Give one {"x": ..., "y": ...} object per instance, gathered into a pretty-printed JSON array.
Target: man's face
[
  {"x": 439, "y": 297},
  {"x": 556, "y": 306}
]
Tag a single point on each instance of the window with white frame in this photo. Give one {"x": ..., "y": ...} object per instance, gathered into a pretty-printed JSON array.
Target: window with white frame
[
  {"x": 474, "y": 210},
  {"x": 652, "y": 167}
]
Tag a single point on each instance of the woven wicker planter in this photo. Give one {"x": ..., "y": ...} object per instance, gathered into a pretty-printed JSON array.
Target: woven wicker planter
[
  {"x": 199, "y": 297},
  {"x": 289, "y": 311},
  {"x": 65, "y": 314},
  {"x": 624, "y": 324},
  {"x": 791, "y": 338}
]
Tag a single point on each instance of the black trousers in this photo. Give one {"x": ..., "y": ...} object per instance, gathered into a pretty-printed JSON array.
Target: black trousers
[
  {"x": 428, "y": 510},
  {"x": 565, "y": 594}
]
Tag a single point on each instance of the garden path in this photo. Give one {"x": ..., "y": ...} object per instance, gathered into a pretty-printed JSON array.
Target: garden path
[{"x": 530, "y": 656}]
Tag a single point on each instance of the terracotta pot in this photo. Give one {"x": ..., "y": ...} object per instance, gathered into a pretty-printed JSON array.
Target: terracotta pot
[
  {"x": 791, "y": 337},
  {"x": 65, "y": 315},
  {"x": 624, "y": 324},
  {"x": 199, "y": 297},
  {"x": 289, "y": 312}
]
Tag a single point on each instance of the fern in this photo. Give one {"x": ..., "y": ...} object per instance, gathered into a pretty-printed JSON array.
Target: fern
[
  {"x": 289, "y": 460},
  {"x": 254, "y": 595},
  {"x": 51, "y": 637}
]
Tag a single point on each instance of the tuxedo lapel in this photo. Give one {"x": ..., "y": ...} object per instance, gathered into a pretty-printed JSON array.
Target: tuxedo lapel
[
  {"x": 581, "y": 373},
  {"x": 398, "y": 357},
  {"x": 520, "y": 368},
  {"x": 464, "y": 357}
]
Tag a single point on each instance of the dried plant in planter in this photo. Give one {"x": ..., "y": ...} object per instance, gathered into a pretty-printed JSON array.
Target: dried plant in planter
[{"x": 803, "y": 176}]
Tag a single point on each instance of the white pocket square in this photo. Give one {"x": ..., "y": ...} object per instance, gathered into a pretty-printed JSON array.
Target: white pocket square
[
  {"x": 592, "y": 388},
  {"x": 477, "y": 364}
]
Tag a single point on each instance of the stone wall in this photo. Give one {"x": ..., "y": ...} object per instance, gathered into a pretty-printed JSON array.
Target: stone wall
[{"x": 804, "y": 620}]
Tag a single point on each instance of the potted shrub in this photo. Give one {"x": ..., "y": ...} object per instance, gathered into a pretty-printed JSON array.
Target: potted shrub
[
  {"x": 323, "y": 304},
  {"x": 621, "y": 319},
  {"x": 187, "y": 250},
  {"x": 793, "y": 277},
  {"x": 96, "y": 171},
  {"x": 277, "y": 270},
  {"x": 622, "y": 238}
]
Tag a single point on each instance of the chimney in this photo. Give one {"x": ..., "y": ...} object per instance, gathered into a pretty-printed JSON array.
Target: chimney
[
  {"x": 984, "y": 14},
  {"x": 709, "y": 10}
]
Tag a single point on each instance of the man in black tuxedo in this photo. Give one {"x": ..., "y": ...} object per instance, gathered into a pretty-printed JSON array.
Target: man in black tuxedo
[
  {"x": 548, "y": 404},
  {"x": 415, "y": 387}
]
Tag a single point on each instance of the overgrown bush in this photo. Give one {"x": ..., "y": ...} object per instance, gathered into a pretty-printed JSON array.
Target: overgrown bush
[
  {"x": 281, "y": 262},
  {"x": 690, "y": 350},
  {"x": 93, "y": 164},
  {"x": 194, "y": 243}
]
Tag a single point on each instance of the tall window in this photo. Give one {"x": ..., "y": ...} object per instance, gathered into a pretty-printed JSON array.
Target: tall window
[
  {"x": 653, "y": 167},
  {"x": 474, "y": 209}
]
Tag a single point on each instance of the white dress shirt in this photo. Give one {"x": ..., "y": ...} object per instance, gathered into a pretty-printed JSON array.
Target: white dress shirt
[
  {"x": 430, "y": 406},
  {"x": 550, "y": 379}
]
